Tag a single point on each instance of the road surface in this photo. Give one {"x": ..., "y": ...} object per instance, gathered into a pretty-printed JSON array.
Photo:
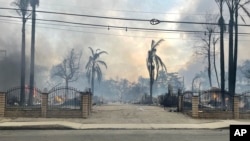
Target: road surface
[{"x": 114, "y": 135}]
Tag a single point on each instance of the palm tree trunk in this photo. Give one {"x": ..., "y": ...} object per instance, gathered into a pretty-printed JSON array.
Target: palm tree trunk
[
  {"x": 209, "y": 59},
  {"x": 215, "y": 68},
  {"x": 230, "y": 56},
  {"x": 222, "y": 58},
  {"x": 235, "y": 48},
  {"x": 23, "y": 66},
  {"x": 151, "y": 83},
  {"x": 92, "y": 80},
  {"x": 32, "y": 62}
]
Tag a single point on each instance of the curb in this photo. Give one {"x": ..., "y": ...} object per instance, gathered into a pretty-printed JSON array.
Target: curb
[{"x": 37, "y": 127}]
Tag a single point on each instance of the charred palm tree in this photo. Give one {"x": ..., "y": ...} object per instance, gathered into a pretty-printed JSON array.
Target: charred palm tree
[
  {"x": 34, "y": 4},
  {"x": 222, "y": 26},
  {"x": 233, "y": 7},
  {"x": 154, "y": 63},
  {"x": 93, "y": 67},
  {"x": 22, "y": 6}
]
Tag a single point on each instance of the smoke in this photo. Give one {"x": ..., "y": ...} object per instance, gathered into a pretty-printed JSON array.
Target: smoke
[{"x": 127, "y": 50}]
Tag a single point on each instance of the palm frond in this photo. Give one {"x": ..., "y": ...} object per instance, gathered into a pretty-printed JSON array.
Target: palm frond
[
  {"x": 148, "y": 64},
  {"x": 102, "y": 53},
  {"x": 92, "y": 51},
  {"x": 22, "y": 6},
  {"x": 158, "y": 43},
  {"x": 244, "y": 9},
  {"x": 242, "y": 19},
  {"x": 103, "y": 63},
  {"x": 161, "y": 63},
  {"x": 88, "y": 74},
  {"x": 89, "y": 62},
  {"x": 157, "y": 66},
  {"x": 99, "y": 73}
]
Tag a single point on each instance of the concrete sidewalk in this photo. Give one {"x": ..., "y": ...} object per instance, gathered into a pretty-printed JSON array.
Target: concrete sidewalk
[{"x": 80, "y": 126}]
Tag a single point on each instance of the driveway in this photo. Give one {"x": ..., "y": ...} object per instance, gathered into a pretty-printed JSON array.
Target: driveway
[{"x": 125, "y": 114}]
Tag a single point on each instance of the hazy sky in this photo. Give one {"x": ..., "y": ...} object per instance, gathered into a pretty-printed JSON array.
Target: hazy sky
[{"x": 127, "y": 50}]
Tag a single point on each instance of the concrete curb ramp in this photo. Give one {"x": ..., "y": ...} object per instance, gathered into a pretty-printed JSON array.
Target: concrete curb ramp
[{"x": 78, "y": 126}]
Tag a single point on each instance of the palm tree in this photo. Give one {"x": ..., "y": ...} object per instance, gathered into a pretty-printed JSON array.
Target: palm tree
[
  {"x": 238, "y": 5},
  {"x": 234, "y": 6},
  {"x": 93, "y": 67},
  {"x": 34, "y": 4},
  {"x": 22, "y": 6},
  {"x": 153, "y": 60},
  {"x": 222, "y": 26}
]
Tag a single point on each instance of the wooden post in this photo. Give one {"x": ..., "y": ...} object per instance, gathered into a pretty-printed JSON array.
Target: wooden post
[
  {"x": 195, "y": 102},
  {"x": 44, "y": 104},
  {"x": 2, "y": 104}
]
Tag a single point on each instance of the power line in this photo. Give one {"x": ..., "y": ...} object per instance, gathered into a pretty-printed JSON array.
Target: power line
[
  {"x": 118, "y": 18},
  {"x": 104, "y": 34},
  {"x": 109, "y": 26},
  {"x": 118, "y": 27}
]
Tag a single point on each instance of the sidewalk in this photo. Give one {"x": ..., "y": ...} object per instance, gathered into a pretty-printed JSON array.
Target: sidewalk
[
  {"x": 79, "y": 126},
  {"x": 121, "y": 117}
]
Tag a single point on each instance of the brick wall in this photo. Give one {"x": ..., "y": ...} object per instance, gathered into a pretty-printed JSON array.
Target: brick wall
[
  {"x": 85, "y": 105},
  {"x": 244, "y": 115},
  {"x": 216, "y": 115},
  {"x": 2, "y": 104},
  {"x": 236, "y": 110},
  {"x": 44, "y": 105},
  {"x": 195, "y": 109},
  {"x": 64, "y": 113},
  {"x": 43, "y": 111},
  {"x": 18, "y": 112}
]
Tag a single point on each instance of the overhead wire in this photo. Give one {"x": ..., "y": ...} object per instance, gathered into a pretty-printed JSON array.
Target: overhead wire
[
  {"x": 118, "y": 18},
  {"x": 88, "y": 32}
]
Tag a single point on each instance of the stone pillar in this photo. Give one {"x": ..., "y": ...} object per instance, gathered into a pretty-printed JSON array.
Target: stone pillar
[
  {"x": 44, "y": 104},
  {"x": 236, "y": 111},
  {"x": 180, "y": 103},
  {"x": 195, "y": 108},
  {"x": 2, "y": 104},
  {"x": 84, "y": 104}
]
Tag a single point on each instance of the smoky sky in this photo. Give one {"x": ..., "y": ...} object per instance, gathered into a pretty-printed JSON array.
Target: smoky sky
[{"x": 127, "y": 50}]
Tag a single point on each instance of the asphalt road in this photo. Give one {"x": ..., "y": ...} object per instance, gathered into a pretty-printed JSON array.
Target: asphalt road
[{"x": 114, "y": 135}]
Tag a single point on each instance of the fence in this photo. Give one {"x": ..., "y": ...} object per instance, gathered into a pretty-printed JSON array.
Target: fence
[
  {"x": 244, "y": 105},
  {"x": 31, "y": 97},
  {"x": 209, "y": 104},
  {"x": 58, "y": 102},
  {"x": 187, "y": 101}
]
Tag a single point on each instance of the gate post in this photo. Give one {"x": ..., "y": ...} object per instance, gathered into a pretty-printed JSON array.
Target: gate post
[
  {"x": 89, "y": 102},
  {"x": 84, "y": 104},
  {"x": 195, "y": 102},
  {"x": 44, "y": 104},
  {"x": 2, "y": 104},
  {"x": 236, "y": 112}
]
